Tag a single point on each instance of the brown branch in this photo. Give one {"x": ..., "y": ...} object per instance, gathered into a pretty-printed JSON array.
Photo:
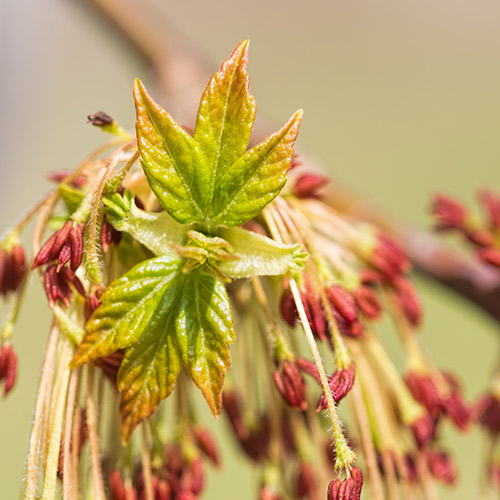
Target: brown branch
[{"x": 182, "y": 72}]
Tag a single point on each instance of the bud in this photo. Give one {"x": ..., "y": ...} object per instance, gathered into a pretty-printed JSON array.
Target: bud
[
  {"x": 116, "y": 487},
  {"x": 449, "y": 212},
  {"x": 424, "y": 391},
  {"x": 110, "y": 365},
  {"x": 291, "y": 385},
  {"x": 8, "y": 367},
  {"x": 109, "y": 235},
  {"x": 489, "y": 255},
  {"x": 340, "y": 384},
  {"x": 453, "y": 404},
  {"x": 343, "y": 302},
  {"x": 309, "y": 186}
]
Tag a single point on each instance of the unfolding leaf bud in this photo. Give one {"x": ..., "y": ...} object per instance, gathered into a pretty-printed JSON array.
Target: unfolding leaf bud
[
  {"x": 348, "y": 489},
  {"x": 491, "y": 206},
  {"x": 309, "y": 186},
  {"x": 65, "y": 245},
  {"x": 487, "y": 412},
  {"x": 408, "y": 299},
  {"x": 423, "y": 429},
  {"x": 340, "y": 384},
  {"x": 12, "y": 268},
  {"x": 291, "y": 385},
  {"x": 206, "y": 444},
  {"x": 8, "y": 367},
  {"x": 449, "y": 212},
  {"x": 441, "y": 466}
]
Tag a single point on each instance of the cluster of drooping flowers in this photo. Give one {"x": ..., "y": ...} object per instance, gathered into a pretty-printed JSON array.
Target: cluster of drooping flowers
[
  {"x": 483, "y": 233},
  {"x": 164, "y": 248}
]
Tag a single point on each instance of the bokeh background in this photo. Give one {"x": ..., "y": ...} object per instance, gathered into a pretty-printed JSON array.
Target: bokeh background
[{"x": 401, "y": 99}]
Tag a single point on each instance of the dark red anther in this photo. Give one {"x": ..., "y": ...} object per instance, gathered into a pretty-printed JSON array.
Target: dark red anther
[
  {"x": 116, "y": 487},
  {"x": 109, "y": 235},
  {"x": 64, "y": 255},
  {"x": 18, "y": 262},
  {"x": 441, "y": 466},
  {"x": 59, "y": 176},
  {"x": 100, "y": 119},
  {"x": 291, "y": 385},
  {"x": 424, "y": 390},
  {"x": 76, "y": 242},
  {"x": 456, "y": 408},
  {"x": 344, "y": 302},
  {"x": 449, "y": 212},
  {"x": 389, "y": 258},
  {"x": 348, "y": 489},
  {"x": 8, "y": 367},
  {"x": 423, "y": 429},
  {"x": 306, "y": 485},
  {"x": 408, "y": 299},
  {"x": 308, "y": 367},
  {"x": 353, "y": 330},
  {"x": 232, "y": 408},
  {"x": 193, "y": 477},
  {"x": 487, "y": 412},
  {"x": 57, "y": 285},
  {"x": 489, "y": 255},
  {"x": 268, "y": 493},
  {"x": 490, "y": 202},
  {"x": 309, "y": 186},
  {"x": 206, "y": 444},
  {"x": 130, "y": 493},
  {"x": 288, "y": 309},
  {"x": 110, "y": 365},
  {"x": 313, "y": 308},
  {"x": 367, "y": 302},
  {"x": 340, "y": 384}
]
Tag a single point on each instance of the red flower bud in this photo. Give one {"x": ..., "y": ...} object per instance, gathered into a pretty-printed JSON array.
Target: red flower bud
[
  {"x": 109, "y": 235},
  {"x": 12, "y": 269},
  {"x": 456, "y": 408},
  {"x": 306, "y": 485},
  {"x": 489, "y": 255},
  {"x": 57, "y": 285},
  {"x": 110, "y": 365},
  {"x": 367, "y": 302},
  {"x": 424, "y": 390},
  {"x": 343, "y": 302},
  {"x": 389, "y": 258},
  {"x": 291, "y": 385},
  {"x": 309, "y": 185},
  {"x": 116, "y": 487},
  {"x": 288, "y": 309}
]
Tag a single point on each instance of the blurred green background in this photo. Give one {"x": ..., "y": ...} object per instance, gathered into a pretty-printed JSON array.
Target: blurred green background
[{"x": 401, "y": 99}]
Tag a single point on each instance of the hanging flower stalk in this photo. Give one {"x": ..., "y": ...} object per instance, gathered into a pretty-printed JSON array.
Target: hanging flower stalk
[{"x": 166, "y": 248}]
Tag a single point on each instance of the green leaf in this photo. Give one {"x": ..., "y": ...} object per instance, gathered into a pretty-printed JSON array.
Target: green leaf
[
  {"x": 156, "y": 231},
  {"x": 148, "y": 373},
  {"x": 259, "y": 255},
  {"x": 205, "y": 331},
  {"x": 174, "y": 166},
  {"x": 256, "y": 178},
  {"x": 226, "y": 114},
  {"x": 130, "y": 307}
]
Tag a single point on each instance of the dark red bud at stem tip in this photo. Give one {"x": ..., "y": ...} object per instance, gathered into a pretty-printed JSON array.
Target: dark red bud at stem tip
[
  {"x": 8, "y": 367},
  {"x": 207, "y": 445},
  {"x": 290, "y": 384},
  {"x": 449, "y": 212},
  {"x": 348, "y": 489},
  {"x": 340, "y": 384},
  {"x": 423, "y": 429},
  {"x": 441, "y": 466},
  {"x": 490, "y": 202},
  {"x": 487, "y": 412},
  {"x": 489, "y": 255},
  {"x": 343, "y": 302},
  {"x": 99, "y": 119},
  {"x": 408, "y": 299}
]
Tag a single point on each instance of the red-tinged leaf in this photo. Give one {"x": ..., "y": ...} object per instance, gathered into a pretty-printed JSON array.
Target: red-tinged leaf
[
  {"x": 256, "y": 178},
  {"x": 205, "y": 331},
  {"x": 129, "y": 308},
  {"x": 226, "y": 114},
  {"x": 174, "y": 166},
  {"x": 148, "y": 373}
]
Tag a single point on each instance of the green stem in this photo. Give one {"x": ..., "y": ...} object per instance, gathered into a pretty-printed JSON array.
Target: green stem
[{"x": 50, "y": 483}]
